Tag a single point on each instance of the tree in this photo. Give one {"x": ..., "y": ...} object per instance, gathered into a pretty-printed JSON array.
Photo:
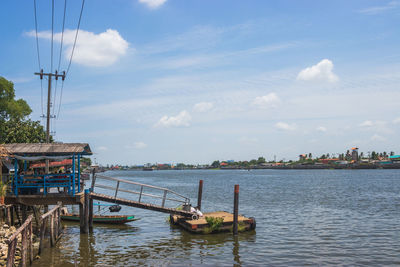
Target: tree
[
  {"x": 261, "y": 160},
  {"x": 215, "y": 164},
  {"x": 14, "y": 124},
  {"x": 22, "y": 131},
  {"x": 11, "y": 108}
]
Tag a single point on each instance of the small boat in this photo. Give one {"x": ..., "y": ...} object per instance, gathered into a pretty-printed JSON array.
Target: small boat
[{"x": 111, "y": 219}]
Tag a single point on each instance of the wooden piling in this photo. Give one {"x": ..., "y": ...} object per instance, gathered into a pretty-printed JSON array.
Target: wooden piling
[
  {"x": 200, "y": 194},
  {"x": 86, "y": 212},
  {"x": 23, "y": 247},
  {"x": 90, "y": 214},
  {"x": 30, "y": 243},
  {"x": 11, "y": 253},
  {"x": 24, "y": 213},
  {"x": 236, "y": 209},
  {"x": 8, "y": 212},
  {"x": 52, "y": 239},
  {"x": 42, "y": 232},
  {"x": 81, "y": 218},
  {"x": 12, "y": 215}
]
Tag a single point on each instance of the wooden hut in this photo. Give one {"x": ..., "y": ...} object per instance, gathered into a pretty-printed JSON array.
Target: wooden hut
[{"x": 40, "y": 183}]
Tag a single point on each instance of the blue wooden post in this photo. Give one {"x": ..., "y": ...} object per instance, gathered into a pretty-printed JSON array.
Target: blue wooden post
[
  {"x": 44, "y": 184},
  {"x": 79, "y": 172},
  {"x": 16, "y": 177},
  {"x": 73, "y": 174}
]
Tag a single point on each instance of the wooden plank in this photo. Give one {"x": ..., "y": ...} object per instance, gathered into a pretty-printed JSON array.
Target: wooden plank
[
  {"x": 228, "y": 217},
  {"x": 49, "y": 199},
  {"x": 44, "y": 216},
  {"x": 140, "y": 205}
]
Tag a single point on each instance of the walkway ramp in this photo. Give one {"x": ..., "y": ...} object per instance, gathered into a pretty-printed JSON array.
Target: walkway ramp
[{"x": 138, "y": 199}]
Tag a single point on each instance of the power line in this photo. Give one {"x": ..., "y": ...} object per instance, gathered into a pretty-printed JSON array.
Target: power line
[
  {"x": 59, "y": 63},
  {"x": 59, "y": 105},
  {"x": 37, "y": 39},
  {"x": 76, "y": 36},
  {"x": 62, "y": 35},
  {"x": 52, "y": 33},
  {"x": 38, "y": 53}
]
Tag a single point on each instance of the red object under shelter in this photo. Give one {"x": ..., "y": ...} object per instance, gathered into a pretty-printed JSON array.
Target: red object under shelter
[{"x": 65, "y": 162}]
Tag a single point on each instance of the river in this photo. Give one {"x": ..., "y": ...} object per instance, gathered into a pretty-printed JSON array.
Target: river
[{"x": 304, "y": 217}]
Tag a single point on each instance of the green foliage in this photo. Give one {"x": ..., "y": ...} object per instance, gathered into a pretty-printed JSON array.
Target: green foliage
[
  {"x": 215, "y": 164},
  {"x": 3, "y": 188},
  {"x": 88, "y": 161},
  {"x": 214, "y": 224},
  {"x": 261, "y": 160},
  {"x": 11, "y": 108},
  {"x": 15, "y": 127},
  {"x": 22, "y": 131}
]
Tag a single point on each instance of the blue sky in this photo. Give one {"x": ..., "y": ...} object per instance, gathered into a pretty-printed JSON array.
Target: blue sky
[{"x": 196, "y": 81}]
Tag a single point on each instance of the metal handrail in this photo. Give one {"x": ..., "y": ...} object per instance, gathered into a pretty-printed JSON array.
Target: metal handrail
[{"x": 142, "y": 186}]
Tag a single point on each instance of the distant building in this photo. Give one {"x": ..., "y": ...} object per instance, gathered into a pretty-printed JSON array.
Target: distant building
[
  {"x": 394, "y": 158},
  {"x": 302, "y": 156},
  {"x": 354, "y": 154},
  {"x": 327, "y": 161}
]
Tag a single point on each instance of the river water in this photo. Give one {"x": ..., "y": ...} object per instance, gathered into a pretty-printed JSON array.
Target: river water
[{"x": 304, "y": 217}]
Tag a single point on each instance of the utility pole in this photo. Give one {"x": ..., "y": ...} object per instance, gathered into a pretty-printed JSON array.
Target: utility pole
[{"x": 48, "y": 117}]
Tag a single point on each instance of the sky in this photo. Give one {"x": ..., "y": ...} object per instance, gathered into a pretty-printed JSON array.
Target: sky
[{"x": 173, "y": 81}]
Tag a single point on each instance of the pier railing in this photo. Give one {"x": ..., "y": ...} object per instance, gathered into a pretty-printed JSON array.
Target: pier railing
[
  {"x": 166, "y": 193},
  {"x": 53, "y": 218},
  {"x": 26, "y": 244}
]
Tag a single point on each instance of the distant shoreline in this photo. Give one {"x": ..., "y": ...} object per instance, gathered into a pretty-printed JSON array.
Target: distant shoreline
[{"x": 281, "y": 167}]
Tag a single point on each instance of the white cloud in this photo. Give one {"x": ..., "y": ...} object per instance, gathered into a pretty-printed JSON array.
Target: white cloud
[
  {"x": 269, "y": 100},
  {"x": 91, "y": 49},
  {"x": 139, "y": 145},
  {"x": 203, "y": 106},
  {"x": 367, "y": 124},
  {"x": 379, "y": 9},
  {"x": 248, "y": 140},
  {"x": 102, "y": 148},
  {"x": 376, "y": 137},
  {"x": 321, "y": 129},
  {"x": 319, "y": 72},
  {"x": 182, "y": 119},
  {"x": 396, "y": 121},
  {"x": 153, "y": 4},
  {"x": 285, "y": 126}
]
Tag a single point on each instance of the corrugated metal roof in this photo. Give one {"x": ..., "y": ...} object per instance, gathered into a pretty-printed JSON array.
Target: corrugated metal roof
[{"x": 57, "y": 149}]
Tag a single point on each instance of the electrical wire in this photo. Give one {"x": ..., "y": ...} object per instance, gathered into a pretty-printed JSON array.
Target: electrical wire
[
  {"x": 59, "y": 61},
  {"x": 61, "y": 93},
  {"x": 52, "y": 34},
  {"x": 38, "y": 53},
  {"x": 76, "y": 36}
]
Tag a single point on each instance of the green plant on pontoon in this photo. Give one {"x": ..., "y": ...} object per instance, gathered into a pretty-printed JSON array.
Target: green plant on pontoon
[{"x": 214, "y": 224}]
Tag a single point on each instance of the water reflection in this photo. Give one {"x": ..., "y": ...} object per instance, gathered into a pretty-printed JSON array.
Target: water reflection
[{"x": 116, "y": 245}]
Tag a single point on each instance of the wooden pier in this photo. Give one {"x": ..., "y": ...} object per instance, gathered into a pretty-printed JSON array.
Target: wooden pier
[{"x": 201, "y": 225}]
